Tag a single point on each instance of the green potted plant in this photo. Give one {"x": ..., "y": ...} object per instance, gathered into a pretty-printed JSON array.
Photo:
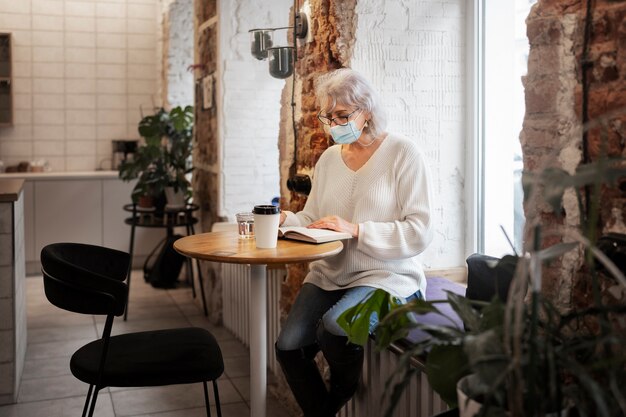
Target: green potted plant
[
  {"x": 162, "y": 163},
  {"x": 525, "y": 357}
]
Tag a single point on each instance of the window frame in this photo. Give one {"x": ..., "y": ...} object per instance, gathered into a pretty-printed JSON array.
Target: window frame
[
  {"x": 478, "y": 164},
  {"x": 475, "y": 151}
]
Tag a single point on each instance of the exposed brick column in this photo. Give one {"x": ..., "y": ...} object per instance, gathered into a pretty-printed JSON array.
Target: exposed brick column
[
  {"x": 552, "y": 135},
  {"x": 206, "y": 181},
  {"x": 333, "y": 27}
]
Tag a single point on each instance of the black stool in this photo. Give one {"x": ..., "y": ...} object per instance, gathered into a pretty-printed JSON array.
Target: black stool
[
  {"x": 168, "y": 218},
  {"x": 89, "y": 279}
]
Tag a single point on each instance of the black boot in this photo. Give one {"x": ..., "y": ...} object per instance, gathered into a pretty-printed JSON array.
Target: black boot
[
  {"x": 304, "y": 379},
  {"x": 345, "y": 361}
]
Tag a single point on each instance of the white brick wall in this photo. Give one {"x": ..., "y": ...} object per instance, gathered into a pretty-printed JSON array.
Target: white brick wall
[
  {"x": 251, "y": 107},
  {"x": 414, "y": 53},
  {"x": 180, "y": 82},
  {"x": 82, "y": 69}
]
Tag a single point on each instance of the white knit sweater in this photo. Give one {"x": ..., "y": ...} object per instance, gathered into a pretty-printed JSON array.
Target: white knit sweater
[{"x": 389, "y": 197}]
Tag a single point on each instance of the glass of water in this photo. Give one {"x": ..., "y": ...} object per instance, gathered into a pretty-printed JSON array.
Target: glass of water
[{"x": 245, "y": 225}]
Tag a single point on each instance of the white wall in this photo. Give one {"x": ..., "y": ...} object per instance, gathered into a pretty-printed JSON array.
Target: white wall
[
  {"x": 251, "y": 106},
  {"x": 180, "y": 51},
  {"x": 82, "y": 69},
  {"x": 414, "y": 52}
]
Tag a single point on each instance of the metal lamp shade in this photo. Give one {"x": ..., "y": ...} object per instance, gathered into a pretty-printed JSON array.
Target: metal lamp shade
[
  {"x": 281, "y": 61},
  {"x": 260, "y": 41}
]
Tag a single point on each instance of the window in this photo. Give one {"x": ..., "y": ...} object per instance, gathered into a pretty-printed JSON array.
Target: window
[{"x": 500, "y": 57}]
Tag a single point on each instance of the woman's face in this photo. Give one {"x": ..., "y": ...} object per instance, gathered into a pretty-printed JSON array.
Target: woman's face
[{"x": 342, "y": 114}]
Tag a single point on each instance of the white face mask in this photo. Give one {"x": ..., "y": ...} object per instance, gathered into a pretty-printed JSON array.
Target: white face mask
[{"x": 347, "y": 134}]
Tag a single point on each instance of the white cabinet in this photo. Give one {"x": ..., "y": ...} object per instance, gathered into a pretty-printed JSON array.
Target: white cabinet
[
  {"x": 80, "y": 208},
  {"x": 29, "y": 221},
  {"x": 115, "y": 233},
  {"x": 68, "y": 211}
]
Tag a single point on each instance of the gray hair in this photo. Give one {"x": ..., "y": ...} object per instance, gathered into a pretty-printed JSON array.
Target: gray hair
[{"x": 350, "y": 88}]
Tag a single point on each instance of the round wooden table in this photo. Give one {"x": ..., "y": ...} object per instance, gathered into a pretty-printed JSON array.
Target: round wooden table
[{"x": 228, "y": 248}]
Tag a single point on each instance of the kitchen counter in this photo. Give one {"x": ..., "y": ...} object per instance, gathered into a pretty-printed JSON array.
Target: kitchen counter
[
  {"x": 12, "y": 288},
  {"x": 69, "y": 175},
  {"x": 78, "y": 206},
  {"x": 10, "y": 189}
]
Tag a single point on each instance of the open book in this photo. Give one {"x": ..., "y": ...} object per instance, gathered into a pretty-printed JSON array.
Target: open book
[{"x": 311, "y": 235}]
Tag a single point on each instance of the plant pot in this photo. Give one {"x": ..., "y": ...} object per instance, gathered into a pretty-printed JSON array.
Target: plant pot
[
  {"x": 175, "y": 199},
  {"x": 468, "y": 407},
  {"x": 470, "y": 386},
  {"x": 145, "y": 201}
]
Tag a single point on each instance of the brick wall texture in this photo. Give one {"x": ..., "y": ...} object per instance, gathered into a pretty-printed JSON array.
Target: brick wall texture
[
  {"x": 552, "y": 135},
  {"x": 333, "y": 34},
  {"x": 344, "y": 35},
  {"x": 206, "y": 181},
  {"x": 414, "y": 54}
]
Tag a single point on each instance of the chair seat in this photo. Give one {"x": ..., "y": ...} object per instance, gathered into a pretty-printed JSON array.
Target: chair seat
[{"x": 175, "y": 356}]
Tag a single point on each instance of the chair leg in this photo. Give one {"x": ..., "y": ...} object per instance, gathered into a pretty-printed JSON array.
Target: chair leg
[
  {"x": 87, "y": 401},
  {"x": 201, "y": 282},
  {"x": 217, "y": 399},
  {"x": 189, "y": 268},
  {"x": 206, "y": 400},
  {"x": 93, "y": 402}
]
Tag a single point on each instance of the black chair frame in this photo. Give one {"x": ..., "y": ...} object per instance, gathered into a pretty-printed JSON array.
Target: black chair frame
[{"x": 52, "y": 283}]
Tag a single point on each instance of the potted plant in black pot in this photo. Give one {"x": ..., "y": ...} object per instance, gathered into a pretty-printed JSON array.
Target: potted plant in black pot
[
  {"x": 525, "y": 357},
  {"x": 162, "y": 163}
]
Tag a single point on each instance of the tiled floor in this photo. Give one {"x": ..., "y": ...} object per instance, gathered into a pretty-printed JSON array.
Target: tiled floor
[{"x": 48, "y": 389}]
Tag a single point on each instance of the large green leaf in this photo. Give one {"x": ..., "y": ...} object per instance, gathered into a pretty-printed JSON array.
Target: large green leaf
[
  {"x": 463, "y": 307},
  {"x": 445, "y": 365},
  {"x": 355, "y": 321},
  {"x": 485, "y": 355},
  {"x": 492, "y": 316},
  {"x": 181, "y": 119}
]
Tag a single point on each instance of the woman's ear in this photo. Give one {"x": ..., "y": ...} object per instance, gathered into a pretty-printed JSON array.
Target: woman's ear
[{"x": 367, "y": 117}]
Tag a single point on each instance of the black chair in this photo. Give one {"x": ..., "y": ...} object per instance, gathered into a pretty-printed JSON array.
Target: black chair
[
  {"x": 487, "y": 277},
  {"x": 90, "y": 280}
]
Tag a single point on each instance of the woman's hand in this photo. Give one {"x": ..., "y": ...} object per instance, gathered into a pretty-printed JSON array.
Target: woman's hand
[
  {"x": 335, "y": 223},
  {"x": 283, "y": 217}
]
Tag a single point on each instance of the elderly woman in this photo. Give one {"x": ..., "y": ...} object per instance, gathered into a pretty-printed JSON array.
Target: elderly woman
[{"x": 373, "y": 185}]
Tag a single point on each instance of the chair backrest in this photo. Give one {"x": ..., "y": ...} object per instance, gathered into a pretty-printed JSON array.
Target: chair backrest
[
  {"x": 84, "y": 278},
  {"x": 487, "y": 277}
]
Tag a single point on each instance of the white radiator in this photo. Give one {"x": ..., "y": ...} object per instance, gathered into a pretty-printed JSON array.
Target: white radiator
[
  {"x": 235, "y": 298},
  {"x": 419, "y": 400}
]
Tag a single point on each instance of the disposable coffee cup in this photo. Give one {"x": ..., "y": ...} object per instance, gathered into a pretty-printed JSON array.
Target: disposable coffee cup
[{"x": 266, "y": 220}]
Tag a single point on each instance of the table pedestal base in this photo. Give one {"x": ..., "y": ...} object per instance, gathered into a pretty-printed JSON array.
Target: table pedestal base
[
  {"x": 258, "y": 340},
  {"x": 227, "y": 247}
]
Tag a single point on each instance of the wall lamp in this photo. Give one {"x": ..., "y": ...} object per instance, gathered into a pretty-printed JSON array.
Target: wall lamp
[
  {"x": 281, "y": 58},
  {"x": 281, "y": 65}
]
